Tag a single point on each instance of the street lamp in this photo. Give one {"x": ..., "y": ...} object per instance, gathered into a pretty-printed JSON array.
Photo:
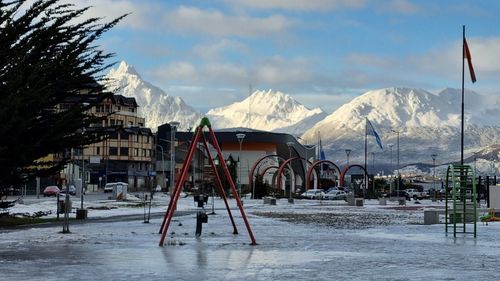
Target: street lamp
[
  {"x": 397, "y": 167},
  {"x": 347, "y": 153},
  {"x": 290, "y": 144},
  {"x": 173, "y": 127},
  {"x": 373, "y": 168},
  {"x": 162, "y": 164},
  {"x": 391, "y": 168},
  {"x": 434, "y": 174},
  {"x": 240, "y": 137}
]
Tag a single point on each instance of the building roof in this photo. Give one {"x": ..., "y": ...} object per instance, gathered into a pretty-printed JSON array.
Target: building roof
[{"x": 125, "y": 101}]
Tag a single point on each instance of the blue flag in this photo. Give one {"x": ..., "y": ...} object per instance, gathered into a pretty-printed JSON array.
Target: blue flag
[
  {"x": 371, "y": 131},
  {"x": 321, "y": 152}
]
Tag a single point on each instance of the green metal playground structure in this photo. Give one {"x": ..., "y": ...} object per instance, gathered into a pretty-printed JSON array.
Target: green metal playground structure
[{"x": 461, "y": 199}]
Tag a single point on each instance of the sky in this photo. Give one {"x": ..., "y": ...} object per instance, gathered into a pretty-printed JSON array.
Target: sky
[{"x": 321, "y": 52}]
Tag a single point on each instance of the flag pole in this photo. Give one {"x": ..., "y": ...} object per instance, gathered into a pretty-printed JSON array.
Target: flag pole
[
  {"x": 462, "y": 127},
  {"x": 366, "y": 172}
]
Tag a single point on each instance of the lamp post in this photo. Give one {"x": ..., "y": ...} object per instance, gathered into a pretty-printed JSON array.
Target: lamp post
[
  {"x": 173, "y": 128},
  {"x": 66, "y": 200},
  {"x": 397, "y": 166},
  {"x": 83, "y": 179},
  {"x": 391, "y": 169},
  {"x": 347, "y": 153},
  {"x": 373, "y": 168},
  {"x": 290, "y": 144},
  {"x": 240, "y": 137},
  {"x": 434, "y": 174},
  {"x": 162, "y": 164}
]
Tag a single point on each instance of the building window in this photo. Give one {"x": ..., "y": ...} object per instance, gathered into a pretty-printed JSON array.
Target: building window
[
  {"x": 147, "y": 139},
  {"x": 144, "y": 153},
  {"x": 123, "y": 135},
  {"x": 119, "y": 122},
  {"x": 108, "y": 108},
  {"x": 119, "y": 108},
  {"x": 98, "y": 150},
  {"x": 140, "y": 124},
  {"x": 124, "y": 151},
  {"x": 114, "y": 136},
  {"x": 113, "y": 151},
  {"x": 136, "y": 152},
  {"x": 112, "y": 122}
]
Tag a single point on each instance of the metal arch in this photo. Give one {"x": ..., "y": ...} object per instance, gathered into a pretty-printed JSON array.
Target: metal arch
[
  {"x": 252, "y": 171},
  {"x": 313, "y": 165},
  {"x": 282, "y": 167},
  {"x": 347, "y": 168},
  {"x": 266, "y": 170}
]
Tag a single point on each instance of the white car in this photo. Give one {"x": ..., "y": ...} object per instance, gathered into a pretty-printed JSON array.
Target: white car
[
  {"x": 341, "y": 195},
  {"x": 313, "y": 194},
  {"x": 110, "y": 186},
  {"x": 330, "y": 195}
]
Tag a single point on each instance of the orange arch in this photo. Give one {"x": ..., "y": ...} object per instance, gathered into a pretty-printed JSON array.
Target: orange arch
[
  {"x": 311, "y": 169},
  {"x": 347, "y": 168},
  {"x": 256, "y": 164}
]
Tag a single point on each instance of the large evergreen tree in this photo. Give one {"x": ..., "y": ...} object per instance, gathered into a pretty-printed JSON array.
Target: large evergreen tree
[{"x": 48, "y": 58}]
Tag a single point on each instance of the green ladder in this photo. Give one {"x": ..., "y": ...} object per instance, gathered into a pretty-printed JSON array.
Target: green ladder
[{"x": 461, "y": 199}]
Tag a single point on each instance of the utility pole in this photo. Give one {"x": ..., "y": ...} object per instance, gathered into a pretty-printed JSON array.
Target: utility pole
[
  {"x": 397, "y": 167},
  {"x": 434, "y": 175},
  {"x": 240, "y": 137}
]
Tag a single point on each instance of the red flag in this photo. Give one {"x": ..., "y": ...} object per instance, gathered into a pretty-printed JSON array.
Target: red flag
[{"x": 469, "y": 61}]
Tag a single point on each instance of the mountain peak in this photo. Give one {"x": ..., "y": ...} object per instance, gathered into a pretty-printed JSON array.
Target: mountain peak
[
  {"x": 123, "y": 69},
  {"x": 264, "y": 110},
  {"x": 154, "y": 104}
]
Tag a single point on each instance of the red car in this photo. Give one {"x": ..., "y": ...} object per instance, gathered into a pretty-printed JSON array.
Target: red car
[{"x": 51, "y": 191}]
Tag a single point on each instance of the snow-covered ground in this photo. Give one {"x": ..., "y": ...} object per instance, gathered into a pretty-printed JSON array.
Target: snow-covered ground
[{"x": 308, "y": 240}]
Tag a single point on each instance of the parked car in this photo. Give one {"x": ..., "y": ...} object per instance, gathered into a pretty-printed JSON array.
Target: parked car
[
  {"x": 331, "y": 194},
  {"x": 110, "y": 186},
  {"x": 51, "y": 190},
  {"x": 313, "y": 194},
  {"x": 341, "y": 195},
  {"x": 401, "y": 193},
  {"x": 415, "y": 194},
  {"x": 72, "y": 189},
  {"x": 330, "y": 189}
]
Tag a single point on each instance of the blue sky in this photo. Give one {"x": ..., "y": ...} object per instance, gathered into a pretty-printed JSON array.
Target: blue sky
[{"x": 322, "y": 52}]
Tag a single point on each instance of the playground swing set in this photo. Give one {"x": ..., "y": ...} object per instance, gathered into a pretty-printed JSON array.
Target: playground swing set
[{"x": 201, "y": 216}]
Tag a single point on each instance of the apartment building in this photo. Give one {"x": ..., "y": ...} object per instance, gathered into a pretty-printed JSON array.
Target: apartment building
[{"x": 127, "y": 156}]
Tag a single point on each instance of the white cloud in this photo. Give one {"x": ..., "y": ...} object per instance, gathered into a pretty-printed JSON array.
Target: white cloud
[
  {"x": 215, "y": 23},
  {"x": 299, "y": 5},
  {"x": 141, "y": 15},
  {"x": 278, "y": 70},
  {"x": 179, "y": 70},
  {"x": 447, "y": 61},
  {"x": 213, "y": 51},
  {"x": 370, "y": 60},
  {"x": 401, "y": 6}
]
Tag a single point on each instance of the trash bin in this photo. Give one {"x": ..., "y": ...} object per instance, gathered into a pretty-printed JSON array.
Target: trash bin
[
  {"x": 382, "y": 201},
  {"x": 61, "y": 204},
  {"x": 81, "y": 214}
]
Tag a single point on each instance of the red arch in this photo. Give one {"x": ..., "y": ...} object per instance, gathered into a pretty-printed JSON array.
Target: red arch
[
  {"x": 347, "y": 168},
  {"x": 267, "y": 169},
  {"x": 252, "y": 171},
  {"x": 280, "y": 170},
  {"x": 311, "y": 168}
]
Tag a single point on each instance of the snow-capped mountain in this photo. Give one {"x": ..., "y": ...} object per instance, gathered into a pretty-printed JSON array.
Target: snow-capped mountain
[
  {"x": 427, "y": 123},
  {"x": 154, "y": 104},
  {"x": 267, "y": 111}
]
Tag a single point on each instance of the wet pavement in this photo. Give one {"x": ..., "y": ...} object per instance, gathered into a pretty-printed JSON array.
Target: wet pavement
[{"x": 286, "y": 250}]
